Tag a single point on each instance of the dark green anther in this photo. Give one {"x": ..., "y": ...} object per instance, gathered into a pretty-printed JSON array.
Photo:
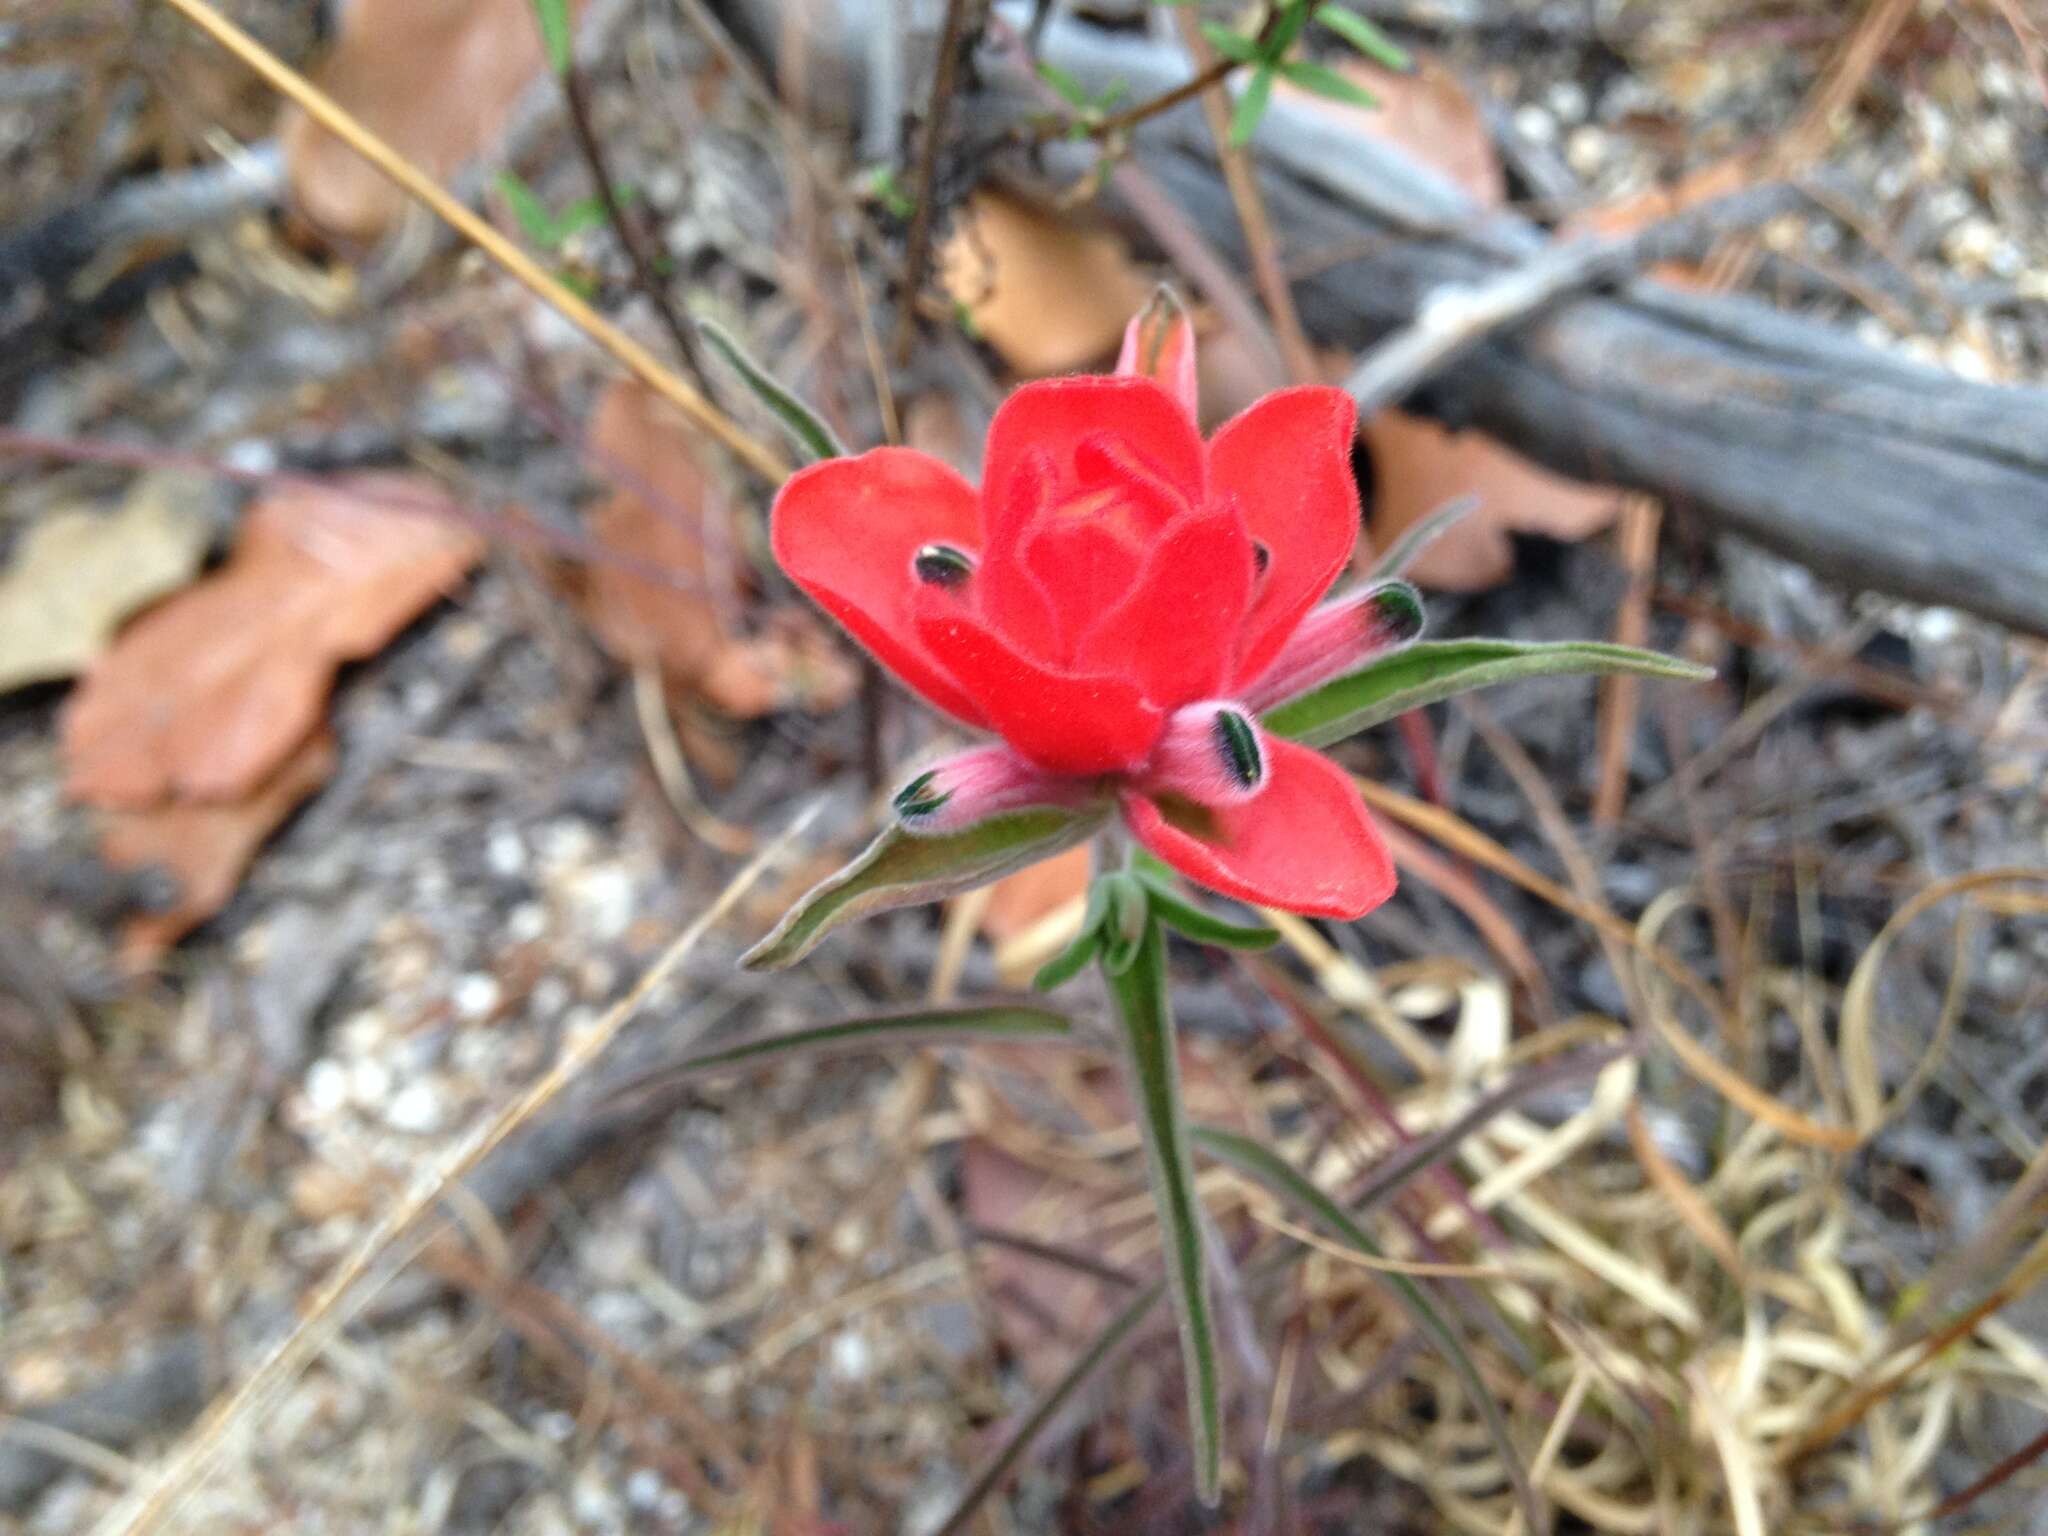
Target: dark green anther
[
  {"x": 941, "y": 565},
  {"x": 1240, "y": 747},
  {"x": 916, "y": 799},
  {"x": 1261, "y": 557},
  {"x": 1395, "y": 612}
]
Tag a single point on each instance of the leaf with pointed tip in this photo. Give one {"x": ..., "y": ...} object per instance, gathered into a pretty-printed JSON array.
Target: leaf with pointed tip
[
  {"x": 901, "y": 870},
  {"x": 798, "y": 420},
  {"x": 1153, "y": 1067},
  {"x": 1231, "y": 44},
  {"x": 1262, "y": 1165},
  {"x": 1436, "y": 669},
  {"x": 1364, "y": 36},
  {"x": 1251, "y": 106},
  {"x": 1321, "y": 80},
  {"x": 1419, "y": 536},
  {"x": 557, "y": 34},
  {"x": 1066, "y": 965},
  {"x": 929, "y": 1026},
  {"x": 1204, "y": 927},
  {"x": 535, "y": 222}
]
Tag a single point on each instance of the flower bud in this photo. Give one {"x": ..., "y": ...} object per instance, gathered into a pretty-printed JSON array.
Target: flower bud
[
  {"x": 1212, "y": 753},
  {"x": 978, "y": 784},
  {"x": 1340, "y": 637}
]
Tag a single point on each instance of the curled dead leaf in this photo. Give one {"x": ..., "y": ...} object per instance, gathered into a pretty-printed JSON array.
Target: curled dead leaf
[
  {"x": 206, "y": 847},
  {"x": 654, "y": 605},
  {"x": 435, "y": 79},
  {"x": 1047, "y": 292},
  {"x": 207, "y": 695}
]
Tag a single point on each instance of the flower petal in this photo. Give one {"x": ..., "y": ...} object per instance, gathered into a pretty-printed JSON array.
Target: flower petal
[
  {"x": 1055, "y": 416},
  {"x": 847, "y": 531},
  {"x": 1304, "y": 844},
  {"x": 977, "y": 784},
  {"x": 1287, "y": 461},
  {"x": 1064, "y": 722},
  {"x": 1159, "y": 344},
  {"x": 1174, "y": 631}
]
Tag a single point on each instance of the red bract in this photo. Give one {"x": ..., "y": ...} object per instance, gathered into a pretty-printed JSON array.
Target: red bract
[{"x": 1116, "y": 603}]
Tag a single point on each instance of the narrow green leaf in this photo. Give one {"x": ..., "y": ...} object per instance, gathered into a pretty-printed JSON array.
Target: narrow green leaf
[
  {"x": 1251, "y": 106},
  {"x": 1231, "y": 44},
  {"x": 885, "y": 189},
  {"x": 1153, "y": 1067},
  {"x": 1102, "y": 1349},
  {"x": 932, "y": 1026},
  {"x": 1419, "y": 536},
  {"x": 1126, "y": 921},
  {"x": 535, "y": 222},
  {"x": 1204, "y": 927},
  {"x": 804, "y": 427},
  {"x": 1364, "y": 36},
  {"x": 1294, "y": 17},
  {"x": 1065, "y": 85},
  {"x": 557, "y": 34},
  {"x": 900, "y": 870},
  {"x": 1327, "y": 82},
  {"x": 1066, "y": 965},
  {"x": 1266, "y": 1167},
  {"x": 1436, "y": 669}
]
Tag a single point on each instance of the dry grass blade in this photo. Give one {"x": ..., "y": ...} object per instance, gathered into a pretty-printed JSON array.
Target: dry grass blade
[
  {"x": 514, "y": 262},
  {"x": 380, "y": 1255}
]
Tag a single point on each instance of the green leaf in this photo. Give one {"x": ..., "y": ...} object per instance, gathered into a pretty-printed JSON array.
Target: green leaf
[
  {"x": 1419, "y": 536},
  {"x": 535, "y": 222},
  {"x": 1126, "y": 921},
  {"x": 1364, "y": 36},
  {"x": 557, "y": 34},
  {"x": 798, "y": 420},
  {"x": 1067, "y": 964},
  {"x": 1100, "y": 1351},
  {"x": 1327, "y": 82},
  {"x": 1065, "y": 85},
  {"x": 1231, "y": 44},
  {"x": 900, "y": 870},
  {"x": 885, "y": 189},
  {"x": 1251, "y": 106},
  {"x": 1436, "y": 669},
  {"x": 934, "y": 1026},
  {"x": 1266, "y": 1167},
  {"x": 1204, "y": 927},
  {"x": 1293, "y": 21},
  {"x": 1153, "y": 1067}
]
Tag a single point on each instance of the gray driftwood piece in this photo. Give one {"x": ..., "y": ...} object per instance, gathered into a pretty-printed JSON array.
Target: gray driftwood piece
[{"x": 1876, "y": 471}]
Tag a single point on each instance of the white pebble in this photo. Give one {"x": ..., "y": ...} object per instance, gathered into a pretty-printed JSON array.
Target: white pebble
[
  {"x": 505, "y": 852},
  {"x": 603, "y": 899},
  {"x": 369, "y": 1082},
  {"x": 416, "y": 1109},
  {"x": 1567, "y": 101},
  {"x": 1535, "y": 124},
  {"x": 326, "y": 1085},
  {"x": 643, "y": 1488},
  {"x": 850, "y": 1356},
  {"x": 477, "y": 995}
]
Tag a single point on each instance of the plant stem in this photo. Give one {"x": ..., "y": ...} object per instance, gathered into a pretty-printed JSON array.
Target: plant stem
[
  {"x": 576, "y": 96},
  {"x": 917, "y": 250}
]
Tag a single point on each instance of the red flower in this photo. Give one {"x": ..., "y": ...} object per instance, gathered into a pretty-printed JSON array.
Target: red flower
[{"x": 1117, "y": 603}]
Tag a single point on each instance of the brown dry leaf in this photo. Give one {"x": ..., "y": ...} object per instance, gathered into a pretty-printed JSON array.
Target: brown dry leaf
[
  {"x": 204, "y": 697},
  {"x": 1417, "y": 465},
  {"x": 206, "y": 847},
  {"x": 1048, "y": 293},
  {"x": 78, "y": 573},
  {"x": 673, "y": 624},
  {"x": 435, "y": 79}
]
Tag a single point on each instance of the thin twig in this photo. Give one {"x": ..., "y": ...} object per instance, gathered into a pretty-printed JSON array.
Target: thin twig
[
  {"x": 637, "y": 360},
  {"x": 1107, "y": 130},
  {"x": 918, "y": 250},
  {"x": 646, "y": 272}
]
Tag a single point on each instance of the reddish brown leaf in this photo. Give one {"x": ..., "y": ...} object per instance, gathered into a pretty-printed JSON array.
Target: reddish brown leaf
[
  {"x": 659, "y": 522},
  {"x": 435, "y": 79},
  {"x": 205, "y": 696},
  {"x": 1418, "y": 466},
  {"x": 206, "y": 847}
]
